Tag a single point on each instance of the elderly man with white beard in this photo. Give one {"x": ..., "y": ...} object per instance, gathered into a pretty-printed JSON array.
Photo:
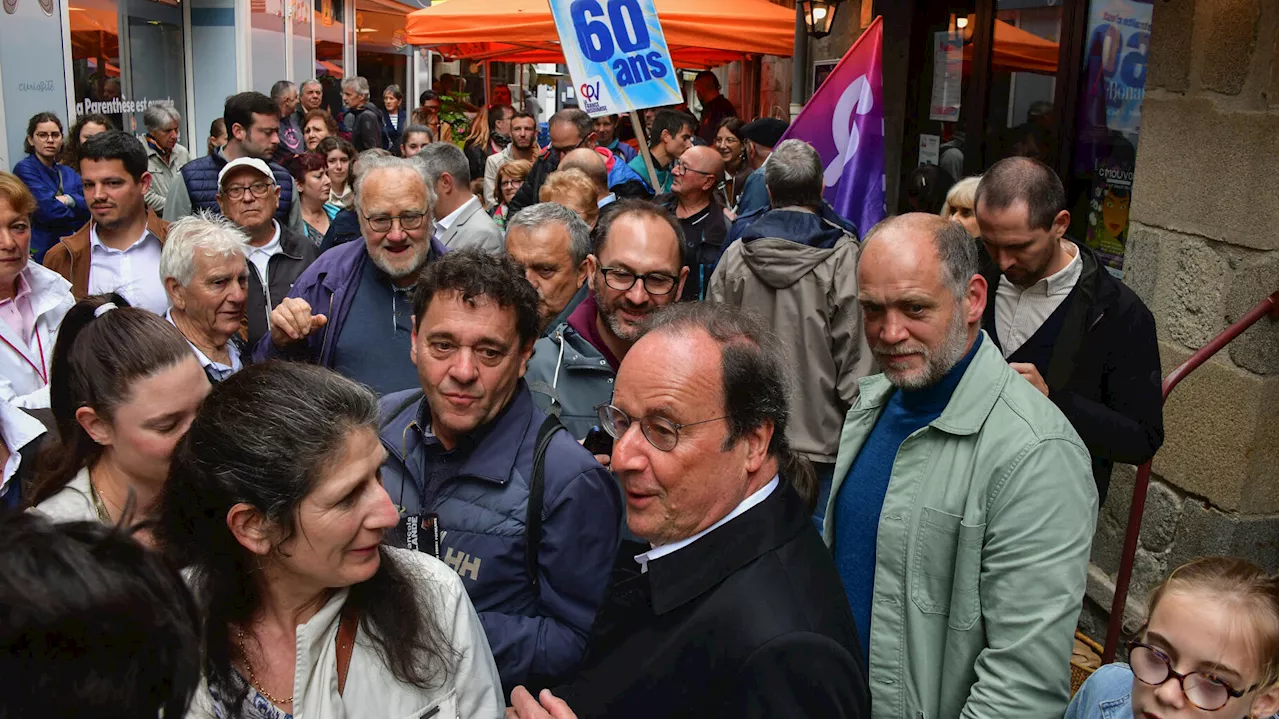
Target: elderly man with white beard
[
  {"x": 352, "y": 309},
  {"x": 963, "y": 505}
]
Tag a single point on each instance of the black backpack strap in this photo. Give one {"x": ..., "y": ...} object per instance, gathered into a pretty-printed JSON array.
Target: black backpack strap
[{"x": 533, "y": 516}]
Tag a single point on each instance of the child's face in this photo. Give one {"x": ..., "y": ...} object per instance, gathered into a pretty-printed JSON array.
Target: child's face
[{"x": 1199, "y": 635}]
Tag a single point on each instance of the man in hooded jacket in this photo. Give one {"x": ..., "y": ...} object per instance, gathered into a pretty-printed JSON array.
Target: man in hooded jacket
[{"x": 796, "y": 262}]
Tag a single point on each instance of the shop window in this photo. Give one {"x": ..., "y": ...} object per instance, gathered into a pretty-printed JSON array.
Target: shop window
[
  {"x": 266, "y": 18},
  {"x": 303, "y": 67},
  {"x": 1021, "y": 116},
  {"x": 126, "y": 55},
  {"x": 330, "y": 22},
  {"x": 1112, "y": 85}
]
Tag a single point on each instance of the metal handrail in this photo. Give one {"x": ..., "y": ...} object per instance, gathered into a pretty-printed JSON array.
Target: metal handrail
[{"x": 1115, "y": 626}]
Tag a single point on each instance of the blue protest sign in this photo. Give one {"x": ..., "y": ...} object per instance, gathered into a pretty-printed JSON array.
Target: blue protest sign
[{"x": 617, "y": 55}]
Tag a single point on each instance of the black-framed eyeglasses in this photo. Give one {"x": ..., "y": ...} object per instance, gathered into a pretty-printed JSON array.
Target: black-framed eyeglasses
[
  {"x": 258, "y": 189},
  {"x": 655, "y": 283},
  {"x": 1205, "y": 691},
  {"x": 681, "y": 166},
  {"x": 566, "y": 150},
  {"x": 662, "y": 433},
  {"x": 407, "y": 220}
]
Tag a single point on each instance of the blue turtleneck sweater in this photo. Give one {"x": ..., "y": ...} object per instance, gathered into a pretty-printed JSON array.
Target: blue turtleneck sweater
[{"x": 861, "y": 496}]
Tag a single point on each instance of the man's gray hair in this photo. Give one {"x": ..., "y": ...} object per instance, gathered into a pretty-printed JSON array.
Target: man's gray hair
[
  {"x": 793, "y": 174},
  {"x": 756, "y": 379},
  {"x": 373, "y": 164},
  {"x": 573, "y": 116},
  {"x": 279, "y": 89},
  {"x": 441, "y": 157},
  {"x": 309, "y": 83},
  {"x": 957, "y": 251},
  {"x": 204, "y": 231},
  {"x": 160, "y": 115},
  {"x": 535, "y": 216},
  {"x": 357, "y": 84}
]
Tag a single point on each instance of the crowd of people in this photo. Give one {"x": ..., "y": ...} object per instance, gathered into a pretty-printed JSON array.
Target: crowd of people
[{"x": 864, "y": 480}]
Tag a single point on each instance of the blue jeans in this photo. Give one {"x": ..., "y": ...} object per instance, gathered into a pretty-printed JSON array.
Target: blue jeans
[{"x": 825, "y": 473}]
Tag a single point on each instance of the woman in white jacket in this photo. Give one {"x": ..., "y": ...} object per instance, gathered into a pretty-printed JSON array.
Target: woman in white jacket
[
  {"x": 275, "y": 506},
  {"x": 33, "y": 301}
]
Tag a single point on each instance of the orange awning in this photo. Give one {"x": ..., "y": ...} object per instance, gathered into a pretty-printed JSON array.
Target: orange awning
[
  {"x": 700, "y": 33},
  {"x": 1017, "y": 50}
]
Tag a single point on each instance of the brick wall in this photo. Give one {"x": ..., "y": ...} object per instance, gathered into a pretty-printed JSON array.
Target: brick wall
[{"x": 1202, "y": 251}]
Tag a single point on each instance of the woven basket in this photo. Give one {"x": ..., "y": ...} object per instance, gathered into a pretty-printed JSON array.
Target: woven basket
[{"x": 1086, "y": 657}]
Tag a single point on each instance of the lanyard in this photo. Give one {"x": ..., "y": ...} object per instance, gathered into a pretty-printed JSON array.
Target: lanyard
[{"x": 44, "y": 377}]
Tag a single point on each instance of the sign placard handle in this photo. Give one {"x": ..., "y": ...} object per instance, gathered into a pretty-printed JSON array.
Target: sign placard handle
[{"x": 644, "y": 150}]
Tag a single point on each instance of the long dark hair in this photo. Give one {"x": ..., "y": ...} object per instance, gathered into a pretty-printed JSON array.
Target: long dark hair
[
  {"x": 264, "y": 438},
  {"x": 95, "y": 363}
]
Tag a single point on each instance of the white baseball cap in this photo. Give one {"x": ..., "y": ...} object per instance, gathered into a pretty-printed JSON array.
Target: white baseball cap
[{"x": 252, "y": 162}]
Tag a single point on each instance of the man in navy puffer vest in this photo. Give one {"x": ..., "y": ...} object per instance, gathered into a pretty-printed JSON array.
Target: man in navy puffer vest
[{"x": 253, "y": 130}]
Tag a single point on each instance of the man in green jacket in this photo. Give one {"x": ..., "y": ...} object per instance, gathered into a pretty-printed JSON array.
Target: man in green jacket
[{"x": 963, "y": 503}]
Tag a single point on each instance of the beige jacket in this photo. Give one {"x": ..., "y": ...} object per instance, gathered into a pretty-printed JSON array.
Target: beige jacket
[{"x": 808, "y": 295}]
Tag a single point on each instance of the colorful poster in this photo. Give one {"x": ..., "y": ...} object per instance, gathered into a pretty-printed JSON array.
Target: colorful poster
[
  {"x": 948, "y": 67},
  {"x": 617, "y": 55},
  {"x": 844, "y": 121},
  {"x": 1114, "y": 82}
]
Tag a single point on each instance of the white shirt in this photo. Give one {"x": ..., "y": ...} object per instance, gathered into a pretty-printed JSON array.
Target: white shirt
[
  {"x": 444, "y": 223},
  {"x": 663, "y": 550},
  {"x": 259, "y": 257},
  {"x": 1020, "y": 312},
  {"x": 220, "y": 370},
  {"x": 18, "y": 430},
  {"x": 134, "y": 272}
]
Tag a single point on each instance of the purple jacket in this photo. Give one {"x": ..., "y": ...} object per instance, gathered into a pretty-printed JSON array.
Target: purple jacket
[{"x": 328, "y": 285}]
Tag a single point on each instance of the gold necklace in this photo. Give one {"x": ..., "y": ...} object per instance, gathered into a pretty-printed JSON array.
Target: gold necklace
[{"x": 253, "y": 680}]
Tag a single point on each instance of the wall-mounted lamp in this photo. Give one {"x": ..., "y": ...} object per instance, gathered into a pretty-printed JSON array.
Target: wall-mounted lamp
[{"x": 819, "y": 16}]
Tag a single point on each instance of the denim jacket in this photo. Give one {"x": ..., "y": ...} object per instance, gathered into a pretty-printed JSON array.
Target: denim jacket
[
  {"x": 1105, "y": 695},
  {"x": 982, "y": 550}
]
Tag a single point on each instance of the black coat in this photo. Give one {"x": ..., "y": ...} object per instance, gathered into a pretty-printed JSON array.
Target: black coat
[
  {"x": 529, "y": 192},
  {"x": 366, "y": 133},
  {"x": 751, "y": 620},
  {"x": 296, "y": 254},
  {"x": 1104, "y": 369}
]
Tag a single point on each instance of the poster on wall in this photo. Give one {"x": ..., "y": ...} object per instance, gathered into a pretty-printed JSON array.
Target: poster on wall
[
  {"x": 948, "y": 65},
  {"x": 1114, "y": 82}
]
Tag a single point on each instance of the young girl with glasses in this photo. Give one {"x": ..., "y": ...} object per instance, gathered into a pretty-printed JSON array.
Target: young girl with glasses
[{"x": 1208, "y": 649}]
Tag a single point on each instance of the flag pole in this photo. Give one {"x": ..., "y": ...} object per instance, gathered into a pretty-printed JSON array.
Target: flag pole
[{"x": 644, "y": 149}]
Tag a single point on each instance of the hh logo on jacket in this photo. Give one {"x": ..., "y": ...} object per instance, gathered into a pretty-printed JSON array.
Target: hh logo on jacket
[{"x": 462, "y": 563}]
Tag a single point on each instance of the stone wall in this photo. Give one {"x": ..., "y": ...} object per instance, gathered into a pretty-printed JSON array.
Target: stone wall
[{"x": 1202, "y": 251}]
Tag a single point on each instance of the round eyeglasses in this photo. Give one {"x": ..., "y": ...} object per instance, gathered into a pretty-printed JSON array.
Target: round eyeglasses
[
  {"x": 662, "y": 433},
  {"x": 1205, "y": 691},
  {"x": 655, "y": 283}
]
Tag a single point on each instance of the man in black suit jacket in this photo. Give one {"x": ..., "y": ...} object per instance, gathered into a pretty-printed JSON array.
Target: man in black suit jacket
[{"x": 736, "y": 609}]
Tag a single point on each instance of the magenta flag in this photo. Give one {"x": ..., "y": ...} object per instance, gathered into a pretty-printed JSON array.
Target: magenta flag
[{"x": 844, "y": 121}]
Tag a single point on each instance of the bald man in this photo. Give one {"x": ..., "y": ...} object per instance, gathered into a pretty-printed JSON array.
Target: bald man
[
  {"x": 962, "y": 534},
  {"x": 592, "y": 163},
  {"x": 694, "y": 177}
]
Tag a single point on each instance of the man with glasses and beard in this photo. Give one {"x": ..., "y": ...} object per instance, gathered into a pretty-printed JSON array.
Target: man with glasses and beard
[
  {"x": 635, "y": 268},
  {"x": 963, "y": 506},
  {"x": 352, "y": 309}
]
